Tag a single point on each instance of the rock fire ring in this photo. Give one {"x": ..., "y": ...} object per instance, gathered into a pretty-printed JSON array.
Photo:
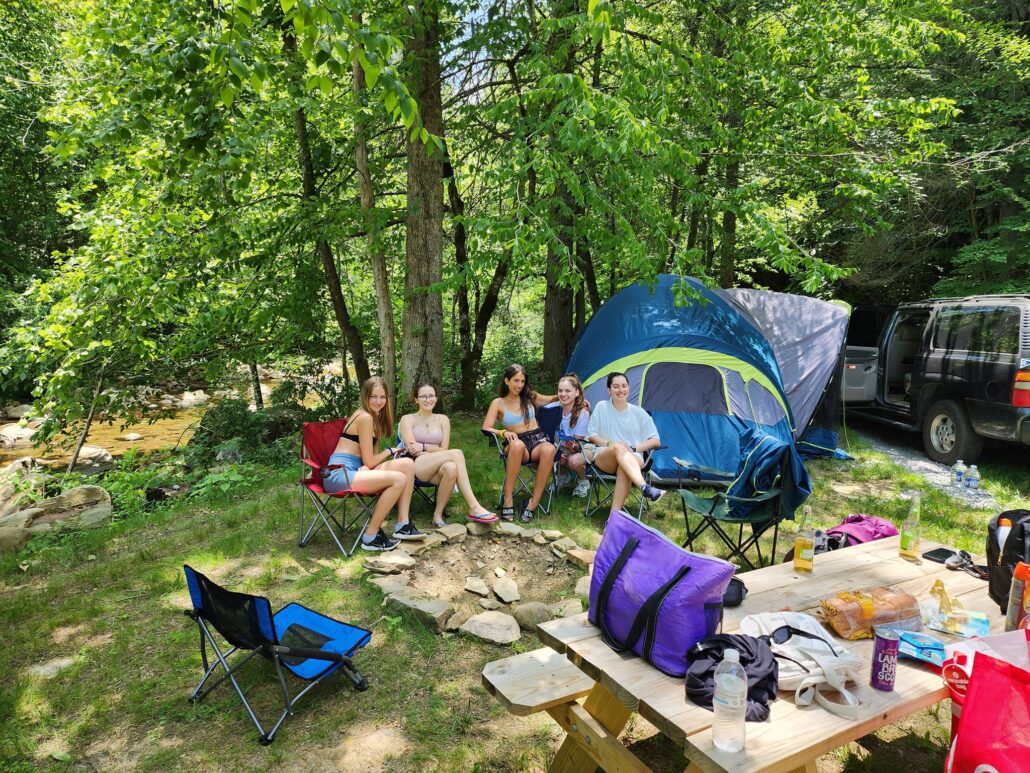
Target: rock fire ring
[{"x": 490, "y": 581}]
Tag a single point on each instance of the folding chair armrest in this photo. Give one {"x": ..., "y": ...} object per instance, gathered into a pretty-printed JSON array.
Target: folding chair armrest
[
  {"x": 306, "y": 652},
  {"x": 494, "y": 438},
  {"x": 310, "y": 463}
]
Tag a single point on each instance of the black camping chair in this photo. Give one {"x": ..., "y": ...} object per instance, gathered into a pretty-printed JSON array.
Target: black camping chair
[
  {"x": 602, "y": 488},
  {"x": 309, "y": 645},
  {"x": 761, "y": 512},
  {"x": 548, "y": 416}
]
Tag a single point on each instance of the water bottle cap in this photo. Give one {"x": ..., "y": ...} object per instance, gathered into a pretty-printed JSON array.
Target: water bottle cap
[
  {"x": 731, "y": 655},
  {"x": 972, "y": 467},
  {"x": 959, "y": 461}
]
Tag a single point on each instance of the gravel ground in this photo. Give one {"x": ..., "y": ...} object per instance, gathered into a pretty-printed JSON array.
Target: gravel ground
[{"x": 937, "y": 475}]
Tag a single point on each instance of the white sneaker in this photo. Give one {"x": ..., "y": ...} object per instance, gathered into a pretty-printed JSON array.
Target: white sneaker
[{"x": 582, "y": 489}]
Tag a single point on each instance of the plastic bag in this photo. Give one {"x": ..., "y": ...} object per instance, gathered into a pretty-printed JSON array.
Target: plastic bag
[
  {"x": 994, "y": 732},
  {"x": 853, "y": 614}
]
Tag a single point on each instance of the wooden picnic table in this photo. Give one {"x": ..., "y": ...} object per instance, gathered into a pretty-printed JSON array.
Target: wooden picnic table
[{"x": 795, "y": 736}]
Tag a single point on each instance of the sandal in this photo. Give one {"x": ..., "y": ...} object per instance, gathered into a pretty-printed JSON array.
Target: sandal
[
  {"x": 527, "y": 515},
  {"x": 484, "y": 518},
  {"x": 508, "y": 513},
  {"x": 439, "y": 524}
]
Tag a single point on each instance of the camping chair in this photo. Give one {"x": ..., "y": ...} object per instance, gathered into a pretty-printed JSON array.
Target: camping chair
[
  {"x": 602, "y": 488},
  {"x": 308, "y": 645},
  {"x": 422, "y": 487},
  {"x": 548, "y": 416},
  {"x": 318, "y": 443},
  {"x": 744, "y": 502}
]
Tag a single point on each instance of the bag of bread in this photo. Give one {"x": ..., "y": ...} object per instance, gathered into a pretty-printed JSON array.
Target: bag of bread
[{"x": 854, "y": 614}]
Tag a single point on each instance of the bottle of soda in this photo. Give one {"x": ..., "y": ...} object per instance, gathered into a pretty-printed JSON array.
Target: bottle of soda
[
  {"x": 957, "y": 474},
  {"x": 1019, "y": 598},
  {"x": 804, "y": 544},
  {"x": 729, "y": 703},
  {"x": 972, "y": 478},
  {"x": 910, "y": 530}
]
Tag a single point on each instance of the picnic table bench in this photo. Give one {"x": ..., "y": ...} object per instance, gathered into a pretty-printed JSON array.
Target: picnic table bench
[{"x": 617, "y": 685}]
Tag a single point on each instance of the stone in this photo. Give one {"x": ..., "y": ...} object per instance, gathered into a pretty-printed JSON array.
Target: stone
[
  {"x": 14, "y": 436},
  {"x": 19, "y": 520},
  {"x": 190, "y": 399},
  {"x": 540, "y": 539},
  {"x": 453, "y": 532},
  {"x": 562, "y": 546},
  {"x": 531, "y": 614},
  {"x": 131, "y": 437},
  {"x": 496, "y": 627},
  {"x": 391, "y": 582},
  {"x": 432, "y": 611},
  {"x": 480, "y": 565},
  {"x": 506, "y": 529},
  {"x": 91, "y": 518},
  {"x": 15, "y": 411},
  {"x": 552, "y": 534},
  {"x": 528, "y": 534},
  {"x": 506, "y": 590},
  {"x": 477, "y": 585},
  {"x": 390, "y": 563},
  {"x": 583, "y": 586},
  {"x": 418, "y": 547},
  {"x": 50, "y": 668},
  {"x": 13, "y": 540},
  {"x": 499, "y": 572},
  {"x": 581, "y": 556},
  {"x": 455, "y": 621},
  {"x": 93, "y": 455},
  {"x": 567, "y": 607},
  {"x": 490, "y": 604},
  {"x": 479, "y": 529}
]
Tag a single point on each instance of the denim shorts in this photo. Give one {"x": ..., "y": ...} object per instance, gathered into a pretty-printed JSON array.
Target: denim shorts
[{"x": 340, "y": 478}]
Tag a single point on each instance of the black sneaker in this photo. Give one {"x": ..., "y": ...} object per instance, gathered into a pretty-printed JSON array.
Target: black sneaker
[
  {"x": 380, "y": 542},
  {"x": 652, "y": 493},
  {"x": 408, "y": 531}
]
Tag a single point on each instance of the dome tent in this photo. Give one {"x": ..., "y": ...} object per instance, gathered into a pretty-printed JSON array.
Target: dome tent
[{"x": 724, "y": 375}]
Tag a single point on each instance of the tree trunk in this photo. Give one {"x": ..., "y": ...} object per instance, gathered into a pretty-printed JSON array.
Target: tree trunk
[
  {"x": 423, "y": 310},
  {"x": 728, "y": 245},
  {"x": 88, "y": 424},
  {"x": 376, "y": 250},
  {"x": 325, "y": 253},
  {"x": 473, "y": 356},
  {"x": 255, "y": 383}
]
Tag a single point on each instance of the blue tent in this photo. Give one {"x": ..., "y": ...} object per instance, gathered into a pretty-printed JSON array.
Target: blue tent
[{"x": 732, "y": 378}]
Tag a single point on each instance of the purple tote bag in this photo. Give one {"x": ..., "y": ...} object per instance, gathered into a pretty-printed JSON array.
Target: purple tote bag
[{"x": 651, "y": 596}]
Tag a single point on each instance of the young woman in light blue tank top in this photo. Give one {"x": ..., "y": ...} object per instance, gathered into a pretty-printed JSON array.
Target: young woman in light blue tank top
[
  {"x": 426, "y": 436},
  {"x": 524, "y": 441}
]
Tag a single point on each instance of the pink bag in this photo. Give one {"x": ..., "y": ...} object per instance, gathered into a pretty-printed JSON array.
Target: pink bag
[
  {"x": 858, "y": 528},
  {"x": 994, "y": 731}
]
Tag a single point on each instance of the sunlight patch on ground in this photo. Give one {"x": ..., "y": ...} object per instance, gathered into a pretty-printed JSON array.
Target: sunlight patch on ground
[
  {"x": 67, "y": 632},
  {"x": 366, "y": 747}
]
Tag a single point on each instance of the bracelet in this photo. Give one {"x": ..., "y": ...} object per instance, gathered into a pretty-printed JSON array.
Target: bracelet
[{"x": 608, "y": 444}]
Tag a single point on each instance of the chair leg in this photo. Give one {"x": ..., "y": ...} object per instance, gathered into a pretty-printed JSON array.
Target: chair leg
[{"x": 229, "y": 674}]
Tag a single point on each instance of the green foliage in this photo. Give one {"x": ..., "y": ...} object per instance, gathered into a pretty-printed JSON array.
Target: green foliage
[
  {"x": 230, "y": 431},
  {"x": 235, "y": 478}
]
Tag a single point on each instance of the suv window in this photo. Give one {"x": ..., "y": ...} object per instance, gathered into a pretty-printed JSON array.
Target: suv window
[{"x": 978, "y": 329}]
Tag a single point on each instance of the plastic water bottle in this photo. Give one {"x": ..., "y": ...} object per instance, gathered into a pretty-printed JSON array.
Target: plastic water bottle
[
  {"x": 958, "y": 472},
  {"x": 730, "y": 703},
  {"x": 972, "y": 478}
]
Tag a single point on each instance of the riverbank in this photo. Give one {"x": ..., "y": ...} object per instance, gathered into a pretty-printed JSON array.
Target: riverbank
[{"x": 100, "y": 660}]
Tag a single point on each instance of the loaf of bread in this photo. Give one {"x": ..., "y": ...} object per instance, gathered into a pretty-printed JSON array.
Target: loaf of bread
[{"x": 854, "y": 614}]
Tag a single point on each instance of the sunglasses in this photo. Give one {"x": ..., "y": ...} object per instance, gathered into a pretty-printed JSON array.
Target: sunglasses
[{"x": 784, "y": 632}]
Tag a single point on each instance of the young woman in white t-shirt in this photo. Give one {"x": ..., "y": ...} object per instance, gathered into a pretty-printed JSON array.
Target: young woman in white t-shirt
[
  {"x": 621, "y": 433},
  {"x": 575, "y": 418}
]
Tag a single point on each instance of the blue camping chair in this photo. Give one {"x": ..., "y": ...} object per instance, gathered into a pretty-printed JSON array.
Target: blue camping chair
[
  {"x": 767, "y": 490},
  {"x": 548, "y": 419},
  {"x": 296, "y": 639}
]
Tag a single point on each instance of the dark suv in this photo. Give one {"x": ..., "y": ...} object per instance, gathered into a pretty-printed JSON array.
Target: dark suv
[{"x": 957, "y": 369}]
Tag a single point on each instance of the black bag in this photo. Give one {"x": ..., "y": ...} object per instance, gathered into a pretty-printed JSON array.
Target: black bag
[{"x": 1001, "y": 561}]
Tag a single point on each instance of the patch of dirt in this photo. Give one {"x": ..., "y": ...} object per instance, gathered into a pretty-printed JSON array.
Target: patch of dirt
[
  {"x": 540, "y": 575},
  {"x": 366, "y": 747},
  {"x": 67, "y": 632}
]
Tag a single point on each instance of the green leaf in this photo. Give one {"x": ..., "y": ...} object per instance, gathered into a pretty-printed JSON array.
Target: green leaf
[
  {"x": 287, "y": 5},
  {"x": 228, "y": 95}
]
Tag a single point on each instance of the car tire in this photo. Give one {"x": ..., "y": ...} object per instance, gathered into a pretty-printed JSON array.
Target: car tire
[{"x": 948, "y": 435}]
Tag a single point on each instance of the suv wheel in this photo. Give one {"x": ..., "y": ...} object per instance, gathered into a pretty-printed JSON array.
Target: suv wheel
[{"x": 948, "y": 434}]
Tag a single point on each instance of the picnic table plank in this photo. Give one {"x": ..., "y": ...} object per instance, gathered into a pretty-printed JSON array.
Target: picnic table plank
[{"x": 535, "y": 681}]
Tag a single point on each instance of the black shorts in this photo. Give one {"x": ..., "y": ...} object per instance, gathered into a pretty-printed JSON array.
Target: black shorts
[{"x": 532, "y": 439}]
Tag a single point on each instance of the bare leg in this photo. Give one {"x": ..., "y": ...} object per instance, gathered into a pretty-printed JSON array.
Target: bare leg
[
  {"x": 577, "y": 464},
  {"x": 406, "y": 466},
  {"x": 630, "y": 464},
  {"x": 428, "y": 469},
  {"x": 444, "y": 487},
  {"x": 621, "y": 492},
  {"x": 543, "y": 455},
  {"x": 388, "y": 484},
  {"x": 514, "y": 454}
]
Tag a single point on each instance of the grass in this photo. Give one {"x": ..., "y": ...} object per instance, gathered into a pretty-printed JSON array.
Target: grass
[{"x": 111, "y": 600}]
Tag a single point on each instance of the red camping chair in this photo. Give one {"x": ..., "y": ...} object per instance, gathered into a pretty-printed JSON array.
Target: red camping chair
[{"x": 318, "y": 443}]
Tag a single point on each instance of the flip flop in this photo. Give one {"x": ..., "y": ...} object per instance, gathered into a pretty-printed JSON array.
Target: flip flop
[
  {"x": 483, "y": 518},
  {"x": 508, "y": 513}
]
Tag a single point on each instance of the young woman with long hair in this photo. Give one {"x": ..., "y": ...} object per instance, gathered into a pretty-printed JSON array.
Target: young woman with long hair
[
  {"x": 427, "y": 436},
  {"x": 620, "y": 433},
  {"x": 524, "y": 441},
  {"x": 366, "y": 469},
  {"x": 575, "y": 419}
]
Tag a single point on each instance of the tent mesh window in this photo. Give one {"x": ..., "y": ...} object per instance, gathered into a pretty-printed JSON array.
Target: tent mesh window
[
  {"x": 684, "y": 387},
  {"x": 765, "y": 406}
]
